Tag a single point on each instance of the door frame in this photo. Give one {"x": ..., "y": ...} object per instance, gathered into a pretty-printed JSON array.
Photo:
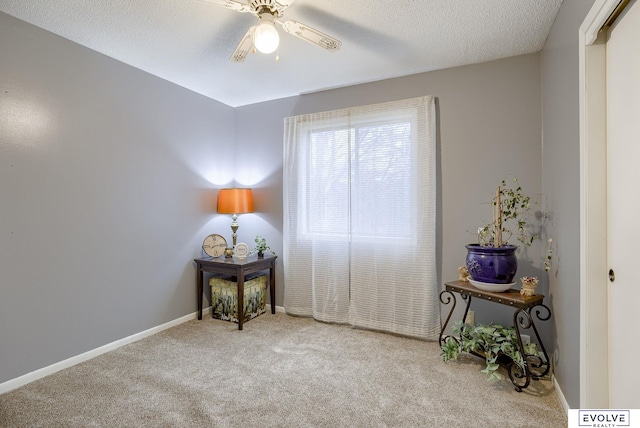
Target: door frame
[{"x": 594, "y": 322}]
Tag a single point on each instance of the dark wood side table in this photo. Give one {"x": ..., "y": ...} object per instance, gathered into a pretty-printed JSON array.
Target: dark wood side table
[
  {"x": 237, "y": 268},
  {"x": 534, "y": 366}
]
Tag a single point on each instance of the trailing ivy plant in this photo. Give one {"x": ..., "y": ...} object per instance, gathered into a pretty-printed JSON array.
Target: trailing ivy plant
[{"x": 490, "y": 340}]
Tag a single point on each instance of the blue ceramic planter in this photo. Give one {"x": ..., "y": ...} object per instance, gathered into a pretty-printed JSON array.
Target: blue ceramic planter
[{"x": 495, "y": 265}]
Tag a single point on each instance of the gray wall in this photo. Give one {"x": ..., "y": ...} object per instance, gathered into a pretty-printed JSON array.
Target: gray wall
[
  {"x": 105, "y": 196},
  {"x": 561, "y": 184},
  {"x": 490, "y": 117},
  {"x": 106, "y": 190}
]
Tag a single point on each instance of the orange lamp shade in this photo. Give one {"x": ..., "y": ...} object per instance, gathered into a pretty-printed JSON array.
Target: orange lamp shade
[{"x": 235, "y": 201}]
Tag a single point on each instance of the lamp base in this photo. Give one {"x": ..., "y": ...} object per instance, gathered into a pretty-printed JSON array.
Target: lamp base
[{"x": 234, "y": 229}]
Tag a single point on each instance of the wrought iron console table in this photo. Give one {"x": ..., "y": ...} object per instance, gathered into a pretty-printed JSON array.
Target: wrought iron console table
[{"x": 535, "y": 367}]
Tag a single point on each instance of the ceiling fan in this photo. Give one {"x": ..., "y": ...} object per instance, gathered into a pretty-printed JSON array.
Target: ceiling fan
[{"x": 263, "y": 36}]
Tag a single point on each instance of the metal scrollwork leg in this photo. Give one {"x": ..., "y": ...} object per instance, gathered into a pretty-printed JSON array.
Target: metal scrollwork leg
[
  {"x": 539, "y": 367},
  {"x": 520, "y": 376},
  {"x": 466, "y": 297},
  {"x": 446, "y": 297},
  {"x": 534, "y": 366}
]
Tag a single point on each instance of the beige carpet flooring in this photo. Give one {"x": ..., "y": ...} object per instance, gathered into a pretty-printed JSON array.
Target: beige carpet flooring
[{"x": 280, "y": 371}]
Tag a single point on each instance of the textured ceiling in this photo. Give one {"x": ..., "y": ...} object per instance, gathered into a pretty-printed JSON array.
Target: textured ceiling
[{"x": 189, "y": 42}]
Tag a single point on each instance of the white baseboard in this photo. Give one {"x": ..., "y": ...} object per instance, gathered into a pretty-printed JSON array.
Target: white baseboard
[
  {"x": 279, "y": 309},
  {"x": 563, "y": 400},
  {"x": 72, "y": 361}
]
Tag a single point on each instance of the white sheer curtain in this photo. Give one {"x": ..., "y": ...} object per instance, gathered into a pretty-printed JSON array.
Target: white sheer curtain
[{"x": 359, "y": 217}]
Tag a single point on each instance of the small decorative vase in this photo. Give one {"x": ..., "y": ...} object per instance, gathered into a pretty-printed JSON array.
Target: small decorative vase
[
  {"x": 261, "y": 254},
  {"x": 529, "y": 284}
]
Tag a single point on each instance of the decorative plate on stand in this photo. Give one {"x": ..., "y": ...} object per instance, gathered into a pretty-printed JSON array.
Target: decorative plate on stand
[
  {"x": 496, "y": 288},
  {"x": 241, "y": 251}
]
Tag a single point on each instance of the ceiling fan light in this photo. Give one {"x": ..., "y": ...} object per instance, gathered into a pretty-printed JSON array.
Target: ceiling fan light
[{"x": 266, "y": 38}]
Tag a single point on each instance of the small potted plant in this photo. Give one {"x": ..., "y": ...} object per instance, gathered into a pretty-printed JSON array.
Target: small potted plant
[
  {"x": 529, "y": 284},
  {"x": 261, "y": 247}
]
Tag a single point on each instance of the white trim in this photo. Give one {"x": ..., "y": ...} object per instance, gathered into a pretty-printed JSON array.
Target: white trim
[
  {"x": 594, "y": 374},
  {"x": 72, "y": 361},
  {"x": 596, "y": 18},
  {"x": 563, "y": 401},
  {"x": 279, "y": 309}
]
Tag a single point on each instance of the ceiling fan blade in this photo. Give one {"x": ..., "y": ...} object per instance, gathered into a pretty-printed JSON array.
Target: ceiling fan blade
[
  {"x": 311, "y": 35},
  {"x": 245, "y": 46},
  {"x": 236, "y": 5},
  {"x": 285, "y": 3}
]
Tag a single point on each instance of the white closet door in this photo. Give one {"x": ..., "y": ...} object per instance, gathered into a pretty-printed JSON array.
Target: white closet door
[{"x": 623, "y": 206}]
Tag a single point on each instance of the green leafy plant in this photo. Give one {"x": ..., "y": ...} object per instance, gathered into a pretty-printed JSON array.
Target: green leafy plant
[
  {"x": 511, "y": 210},
  {"x": 510, "y": 206},
  {"x": 261, "y": 246},
  {"x": 490, "y": 341}
]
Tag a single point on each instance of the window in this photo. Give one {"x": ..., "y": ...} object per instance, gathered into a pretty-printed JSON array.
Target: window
[
  {"x": 359, "y": 217},
  {"x": 368, "y": 165}
]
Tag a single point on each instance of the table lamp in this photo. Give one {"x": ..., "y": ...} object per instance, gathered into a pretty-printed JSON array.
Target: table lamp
[{"x": 235, "y": 201}]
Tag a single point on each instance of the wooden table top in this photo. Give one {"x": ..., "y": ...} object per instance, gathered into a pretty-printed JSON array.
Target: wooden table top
[{"x": 510, "y": 297}]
